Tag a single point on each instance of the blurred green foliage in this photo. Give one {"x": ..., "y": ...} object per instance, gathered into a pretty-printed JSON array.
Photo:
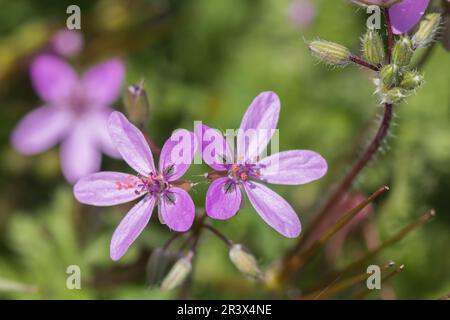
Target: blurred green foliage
[{"x": 206, "y": 60}]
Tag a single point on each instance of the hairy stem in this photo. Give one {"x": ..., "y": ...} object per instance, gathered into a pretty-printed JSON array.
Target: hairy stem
[
  {"x": 290, "y": 265},
  {"x": 287, "y": 269},
  {"x": 390, "y": 34},
  {"x": 364, "y": 63}
]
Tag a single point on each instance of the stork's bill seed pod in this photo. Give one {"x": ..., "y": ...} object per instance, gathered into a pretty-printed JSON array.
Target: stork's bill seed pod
[
  {"x": 244, "y": 261},
  {"x": 402, "y": 52},
  {"x": 411, "y": 80},
  {"x": 427, "y": 31},
  {"x": 390, "y": 74},
  {"x": 330, "y": 52},
  {"x": 373, "y": 47}
]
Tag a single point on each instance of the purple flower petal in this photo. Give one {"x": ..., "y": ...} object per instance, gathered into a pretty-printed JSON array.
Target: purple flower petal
[
  {"x": 131, "y": 144},
  {"x": 53, "y": 79},
  {"x": 258, "y": 125},
  {"x": 406, "y": 14},
  {"x": 102, "y": 82},
  {"x": 177, "y": 209},
  {"x": 97, "y": 121},
  {"x": 41, "y": 129},
  {"x": 131, "y": 227},
  {"x": 223, "y": 199},
  {"x": 79, "y": 154},
  {"x": 293, "y": 167},
  {"x": 177, "y": 154},
  {"x": 107, "y": 188},
  {"x": 215, "y": 149},
  {"x": 273, "y": 209}
]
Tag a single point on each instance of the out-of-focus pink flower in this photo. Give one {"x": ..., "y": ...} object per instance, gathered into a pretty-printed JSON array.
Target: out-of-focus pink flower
[
  {"x": 155, "y": 186},
  {"x": 302, "y": 12},
  {"x": 74, "y": 112},
  {"x": 245, "y": 171},
  {"x": 406, "y": 14},
  {"x": 67, "y": 43}
]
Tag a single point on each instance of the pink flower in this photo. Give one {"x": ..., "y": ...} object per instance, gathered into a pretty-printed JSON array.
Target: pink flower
[
  {"x": 74, "y": 112},
  {"x": 176, "y": 208},
  {"x": 406, "y": 14},
  {"x": 294, "y": 167}
]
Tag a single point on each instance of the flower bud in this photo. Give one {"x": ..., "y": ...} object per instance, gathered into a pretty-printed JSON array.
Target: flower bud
[
  {"x": 137, "y": 104},
  {"x": 396, "y": 95},
  {"x": 402, "y": 52},
  {"x": 373, "y": 48},
  {"x": 427, "y": 31},
  {"x": 411, "y": 80},
  {"x": 244, "y": 261},
  {"x": 389, "y": 74},
  {"x": 330, "y": 52},
  {"x": 177, "y": 274}
]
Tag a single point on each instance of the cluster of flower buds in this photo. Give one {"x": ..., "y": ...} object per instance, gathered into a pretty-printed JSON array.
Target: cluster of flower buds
[{"x": 396, "y": 80}]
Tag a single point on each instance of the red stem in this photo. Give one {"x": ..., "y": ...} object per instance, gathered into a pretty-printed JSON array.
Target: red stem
[
  {"x": 364, "y": 63},
  {"x": 290, "y": 266},
  {"x": 390, "y": 34}
]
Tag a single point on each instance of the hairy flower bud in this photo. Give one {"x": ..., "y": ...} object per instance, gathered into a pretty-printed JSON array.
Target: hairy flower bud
[
  {"x": 396, "y": 95},
  {"x": 330, "y": 52},
  {"x": 244, "y": 261},
  {"x": 427, "y": 31},
  {"x": 373, "y": 47},
  {"x": 137, "y": 104},
  {"x": 389, "y": 74},
  {"x": 411, "y": 80},
  {"x": 402, "y": 52},
  {"x": 177, "y": 274}
]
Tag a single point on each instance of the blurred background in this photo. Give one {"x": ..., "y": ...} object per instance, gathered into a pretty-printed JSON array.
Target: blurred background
[{"x": 206, "y": 60}]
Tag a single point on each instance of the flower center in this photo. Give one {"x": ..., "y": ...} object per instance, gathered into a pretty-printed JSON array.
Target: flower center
[
  {"x": 153, "y": 184},
  {"x": 242, "y": 172},
  {"x": 77, "y": 101}
]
